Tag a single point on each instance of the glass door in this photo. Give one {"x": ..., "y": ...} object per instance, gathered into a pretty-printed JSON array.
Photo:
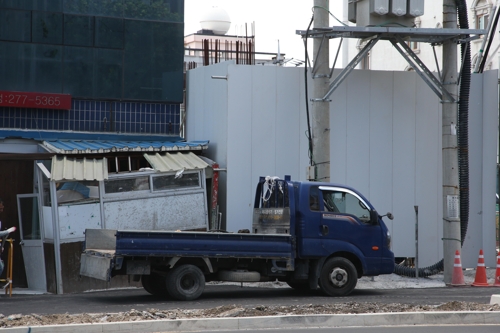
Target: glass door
[{"x": 31, "y": 241}]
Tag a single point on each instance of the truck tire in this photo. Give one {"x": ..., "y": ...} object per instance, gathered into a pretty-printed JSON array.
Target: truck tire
[
  {"x": 338, "y": 277},
  {"x": 239, "y": 276},
  {"x": 154, "y": 284},
  {"x": 185, "y": 282}
]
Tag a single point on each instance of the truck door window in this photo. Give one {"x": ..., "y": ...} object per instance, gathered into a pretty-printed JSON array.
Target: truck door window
[{"x": 345, "y": 203}]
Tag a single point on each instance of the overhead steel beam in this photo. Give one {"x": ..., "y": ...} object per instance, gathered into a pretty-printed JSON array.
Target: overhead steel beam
[
  {"x": 420, "y": 68},
  {"x": 398, "y": 37},
  {"x": 425, "y": 35},
  {"x": 350, "y": 67}
]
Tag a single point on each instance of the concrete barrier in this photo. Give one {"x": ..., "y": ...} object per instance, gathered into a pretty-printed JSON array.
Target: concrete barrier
[{"x": 293, "y": 321}]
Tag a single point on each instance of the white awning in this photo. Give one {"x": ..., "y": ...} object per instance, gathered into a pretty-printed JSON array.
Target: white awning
[
  {"x": 64, "y": 168},
  {"x": 175, "y": 161}
]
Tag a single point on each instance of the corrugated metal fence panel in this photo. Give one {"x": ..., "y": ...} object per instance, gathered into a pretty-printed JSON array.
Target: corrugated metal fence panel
[
  {"x": 385, "y": 141},
  {"x": 175, "y": 162},
  {"x": 402, "y": 179},
  {"x": 242, "y": 182},
  {"x": 483, "y": 131},
  {"x": 64, "y": 168},
  {"x": 381, "y": 142},
  {"x": 428, "y": 191}
]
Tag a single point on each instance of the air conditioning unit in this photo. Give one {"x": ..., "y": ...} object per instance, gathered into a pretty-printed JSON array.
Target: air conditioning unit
[{"x": 384, "y": 13}]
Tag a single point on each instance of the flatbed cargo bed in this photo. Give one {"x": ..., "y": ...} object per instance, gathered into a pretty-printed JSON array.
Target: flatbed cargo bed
[{"x": 147, "y": 243}]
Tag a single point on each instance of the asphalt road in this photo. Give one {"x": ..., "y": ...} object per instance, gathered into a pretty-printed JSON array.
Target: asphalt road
[{"x": 217, "y": 295}]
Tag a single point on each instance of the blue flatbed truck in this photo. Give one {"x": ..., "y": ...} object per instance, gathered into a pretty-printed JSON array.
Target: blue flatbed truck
[{"x": 311, "y": 235}]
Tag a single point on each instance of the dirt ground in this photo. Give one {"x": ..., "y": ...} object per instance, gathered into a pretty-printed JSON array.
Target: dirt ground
[{"x": 236, "y": 311}]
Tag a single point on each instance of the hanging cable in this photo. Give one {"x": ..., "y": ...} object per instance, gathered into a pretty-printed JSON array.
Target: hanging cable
[
  {"x": 309, "y": 132},
  {"x": 331, "y": 14}
]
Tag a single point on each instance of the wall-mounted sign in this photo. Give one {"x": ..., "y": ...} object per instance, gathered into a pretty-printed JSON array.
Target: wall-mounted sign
[{"x": 35, "y": 100}]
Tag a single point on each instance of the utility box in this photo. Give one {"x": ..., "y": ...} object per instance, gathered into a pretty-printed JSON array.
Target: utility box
[
  {"x": 385, "y": 13},
  {"x": 415, "y": 8},
  {"x": 398, "y": 7}
]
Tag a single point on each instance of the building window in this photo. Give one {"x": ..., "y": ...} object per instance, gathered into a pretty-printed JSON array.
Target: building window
[
  {"x": 126, "y": 184},
  {"x": 173, "y": 182},
  {"x": 93, "y": 49},
  {"x": 481, "y": 10},
  {"x": 482, "y": 21}
]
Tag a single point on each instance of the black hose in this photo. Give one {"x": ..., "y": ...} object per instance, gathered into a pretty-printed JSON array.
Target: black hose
[
  {"x": 463, "y": 149},
  {"x": 309, "y": 131},
  {"x": 463, "y": 124},
  {"x": 422, "y": 272}
]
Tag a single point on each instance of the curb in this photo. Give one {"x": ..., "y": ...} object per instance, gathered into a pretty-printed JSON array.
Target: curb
[{"x": 293, "y": 321}]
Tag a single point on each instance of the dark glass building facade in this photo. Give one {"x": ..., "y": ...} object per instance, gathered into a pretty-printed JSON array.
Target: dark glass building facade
[{"x": 120, "y": 60}]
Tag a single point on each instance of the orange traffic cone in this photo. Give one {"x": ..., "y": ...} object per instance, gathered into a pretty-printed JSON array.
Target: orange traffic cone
[
  {"x": 497, "y": 274},
  {"x": 457, "y": 278},
  {"x": 480, "y": 280}
]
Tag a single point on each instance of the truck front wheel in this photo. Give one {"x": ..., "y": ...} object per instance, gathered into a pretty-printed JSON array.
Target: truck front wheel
[
  {"x": 338, "y": 277},
  {"x": 185, "y": 282}
]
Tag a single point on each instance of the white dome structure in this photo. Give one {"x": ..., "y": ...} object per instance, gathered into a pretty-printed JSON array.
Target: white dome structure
[{"x": 217, "y": 20}]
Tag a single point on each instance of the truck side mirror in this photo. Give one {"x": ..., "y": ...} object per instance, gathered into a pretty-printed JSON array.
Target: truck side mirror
[
  {"x": 373, "y": 217},
  {"x": 389, "y": 216}
]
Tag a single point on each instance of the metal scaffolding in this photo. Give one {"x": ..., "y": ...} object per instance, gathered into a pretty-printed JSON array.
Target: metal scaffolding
[{"x": 399, "y": 38}]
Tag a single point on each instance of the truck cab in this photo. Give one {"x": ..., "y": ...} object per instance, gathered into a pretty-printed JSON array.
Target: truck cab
[
  {"x": 337, "y": 220},
  {"x": 332, "y": 225}
]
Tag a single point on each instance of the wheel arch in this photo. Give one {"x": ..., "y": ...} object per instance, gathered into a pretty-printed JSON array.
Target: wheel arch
[
  {"x": 202, "y": 263},
  {"x": 352, "y": 258}
]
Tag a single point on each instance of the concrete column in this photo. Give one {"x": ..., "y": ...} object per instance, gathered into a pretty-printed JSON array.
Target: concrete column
[
  {"x": 320, "y": 110},
  {"x": 451, "y": 215}
]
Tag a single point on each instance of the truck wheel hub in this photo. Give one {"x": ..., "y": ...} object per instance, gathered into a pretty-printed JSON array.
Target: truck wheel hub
[
  {"x": 187, "y": 282},
  {"x": 338, "y": 277}
]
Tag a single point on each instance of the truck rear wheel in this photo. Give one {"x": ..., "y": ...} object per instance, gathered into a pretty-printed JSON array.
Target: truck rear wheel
[
  {"x": 154, "y": 284},
  {"x": 338, "y": 277},
  {"x": 185, "y": 282}
]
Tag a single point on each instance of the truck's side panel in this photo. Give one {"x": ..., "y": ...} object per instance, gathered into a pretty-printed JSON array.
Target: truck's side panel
[{"x": 199, "y": 244}]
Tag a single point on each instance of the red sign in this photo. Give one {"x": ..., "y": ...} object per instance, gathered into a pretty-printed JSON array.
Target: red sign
[{"x": 35, "y": 100}]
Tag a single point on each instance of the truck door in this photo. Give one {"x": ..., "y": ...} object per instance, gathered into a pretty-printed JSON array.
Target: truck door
[{"x": 345, "y": 221}]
